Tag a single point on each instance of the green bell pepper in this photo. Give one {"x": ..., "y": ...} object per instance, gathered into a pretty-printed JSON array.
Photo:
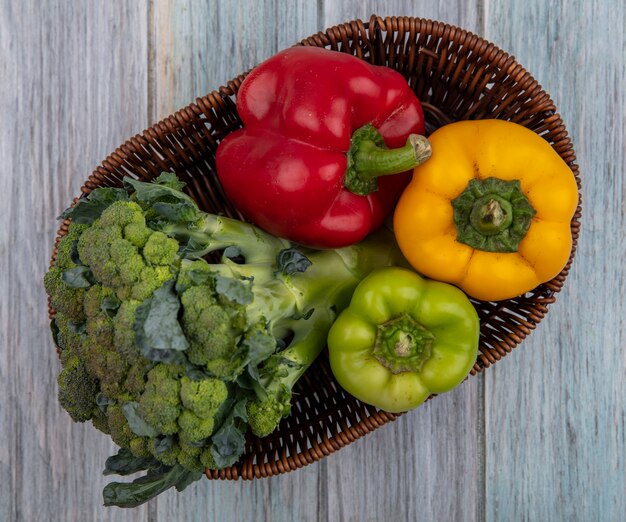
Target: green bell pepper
[{"x": 403, "y": 338}]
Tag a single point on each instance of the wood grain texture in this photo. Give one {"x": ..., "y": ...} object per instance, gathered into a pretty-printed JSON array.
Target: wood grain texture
[
  {"x": 73, "y": 86},
  {"x": 541, "y": 436},
  {"x": 555, "y": 409},
  {"x": 428, "y": 464},
  {"x": 464, "y": 13},
  {"x": 198, "y": 46}
]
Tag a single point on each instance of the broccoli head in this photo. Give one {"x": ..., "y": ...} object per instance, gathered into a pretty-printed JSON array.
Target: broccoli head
[
  {"x": 124, "y": 254},
  {"x": 265, "y": 414},
  {"x": 179, "y": 331}
]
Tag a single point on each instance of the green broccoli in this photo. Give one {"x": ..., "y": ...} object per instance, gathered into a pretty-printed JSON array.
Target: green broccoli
[
  {"x": 180, "y": 330},
  {"x": 65, "y": 299},
  {"x": 77, "y": 389}
]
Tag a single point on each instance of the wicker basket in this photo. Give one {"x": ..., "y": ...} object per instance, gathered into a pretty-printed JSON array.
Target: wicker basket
[{"x": 457, "y": 76}]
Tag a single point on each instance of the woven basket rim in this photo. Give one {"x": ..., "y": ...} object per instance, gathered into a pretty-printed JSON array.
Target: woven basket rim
[{"x": 336, "y": 37}]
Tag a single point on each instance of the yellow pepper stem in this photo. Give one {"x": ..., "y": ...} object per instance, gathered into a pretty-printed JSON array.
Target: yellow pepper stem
[{"x": 492, "y": 215}]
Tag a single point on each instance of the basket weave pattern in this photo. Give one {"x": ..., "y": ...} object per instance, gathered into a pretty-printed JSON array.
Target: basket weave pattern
[{"x": 457, "y": 76}]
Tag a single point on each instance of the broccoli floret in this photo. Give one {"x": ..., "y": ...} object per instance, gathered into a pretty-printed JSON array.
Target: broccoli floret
[
  {"x": 65, "y": 300},
  {"x": 93, "y": 299},
  {"x": 202, "y": 400},
  {"x": 135, "y": 382},
  {"x": 69, "y": 337},
  {"x": 118, "y": 426},
  {"x": 150, "y": 279},
  {"x": 165, "y": 455},
  {"x": 111, "y": 248},
  {"x": 195, "y": 428},
  {"x": 176, "y": 356},
  {"x": 67, "y": 246},
  {"x": 123, "y": 333},
  {"x": 109, "y": 368},
  {"x": 137, "y": 233},
  {"x": 189, "y": 457},
  {"x": 77, "y": 390},
  {"x": 100, "y": 420},
  {"x": 160, "y": 249},
  {"x": 264, "y": 415},
  {"x": 281, "y": 371},
  {"x": 208, "y": 460},
  {"x": 159, "y": 404},
  {"x": 203, "y": 397},
  {"x": 211, "y": 332},
  {"x": 119, "y": 429},
  {"x": 139, "y": 447}
]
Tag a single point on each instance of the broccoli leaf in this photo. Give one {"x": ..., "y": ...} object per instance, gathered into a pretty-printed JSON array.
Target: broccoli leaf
[
  {"x": 260, "y": 345},
  {"x": 232, "y": 252},
  {"x": 168, "y": 191},
  {"x": 87, "y": 210},
  {"x": 182, "y": 211},
  {"x": 74, "y": 253},
  {"x": 200, "y": 277},
  {"x": 233, "y": 289},
  {"x": 54, "y": 330},
  {"x": 125, "y": 463},
  {"x": 163, "y": 443},
  {"x": 194, "y": 249},
  {"x": 158, "y": 333},
  {"x": 142, "y": 489},
  {"x": 137, "y": 425},
  {"x": 78, "y": 277},
  {"x": 290, "y": 261},
  {"x": 171, "y": 180},
  {"x": 77, "y": 328},
  {"x": 110, "y": 305},
  {"x": 229, "y": 441},
  {"x": 103, "y": 402},
  {"x": 189, "y": 478}
]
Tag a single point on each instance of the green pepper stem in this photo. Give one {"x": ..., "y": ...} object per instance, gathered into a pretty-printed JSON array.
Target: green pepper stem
[
  {"x": 402, "y": 344},
  {"x": 369, "y": 158}
]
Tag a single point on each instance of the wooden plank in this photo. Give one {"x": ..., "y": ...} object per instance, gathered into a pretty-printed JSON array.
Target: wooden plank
[
  {"x": 72, "y": 87},
  {"x": 73, "y": 84},
  {"x": 555, "y": 429},
  {"x": 424, "y": 466},
  {"x": 463, "y": 13},
  {"x": 196, "y": 47},
  {"x": 428, "y": 464}
]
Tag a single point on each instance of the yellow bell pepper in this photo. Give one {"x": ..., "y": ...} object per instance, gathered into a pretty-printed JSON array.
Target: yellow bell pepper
[{"x": 490, "y": 211}]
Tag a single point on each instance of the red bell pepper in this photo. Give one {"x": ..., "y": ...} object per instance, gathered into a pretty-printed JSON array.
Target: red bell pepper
[{"x": 319, "y": 127}]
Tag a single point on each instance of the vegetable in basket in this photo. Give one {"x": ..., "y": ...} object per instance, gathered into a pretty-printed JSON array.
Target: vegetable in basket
[
  {"x": 490, "y": 212},
  {"x": 403, "y": 338},
  {"x": 320, "y": 127},
  {"x": 177, "y": 357}
]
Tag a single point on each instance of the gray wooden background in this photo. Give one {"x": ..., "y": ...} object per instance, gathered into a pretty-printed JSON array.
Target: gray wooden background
[{"x": 539, "y": 437}]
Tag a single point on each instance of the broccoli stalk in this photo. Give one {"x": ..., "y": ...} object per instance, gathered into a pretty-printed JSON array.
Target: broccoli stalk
[
  {"x": 180, "y": 331},
  {"x": 297, "y": 292}
]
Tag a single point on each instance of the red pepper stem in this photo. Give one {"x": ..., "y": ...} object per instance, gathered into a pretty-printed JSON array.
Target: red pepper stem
[
  {"x": 372, "y": 161},
  {"x": 368, "y": 158}
]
